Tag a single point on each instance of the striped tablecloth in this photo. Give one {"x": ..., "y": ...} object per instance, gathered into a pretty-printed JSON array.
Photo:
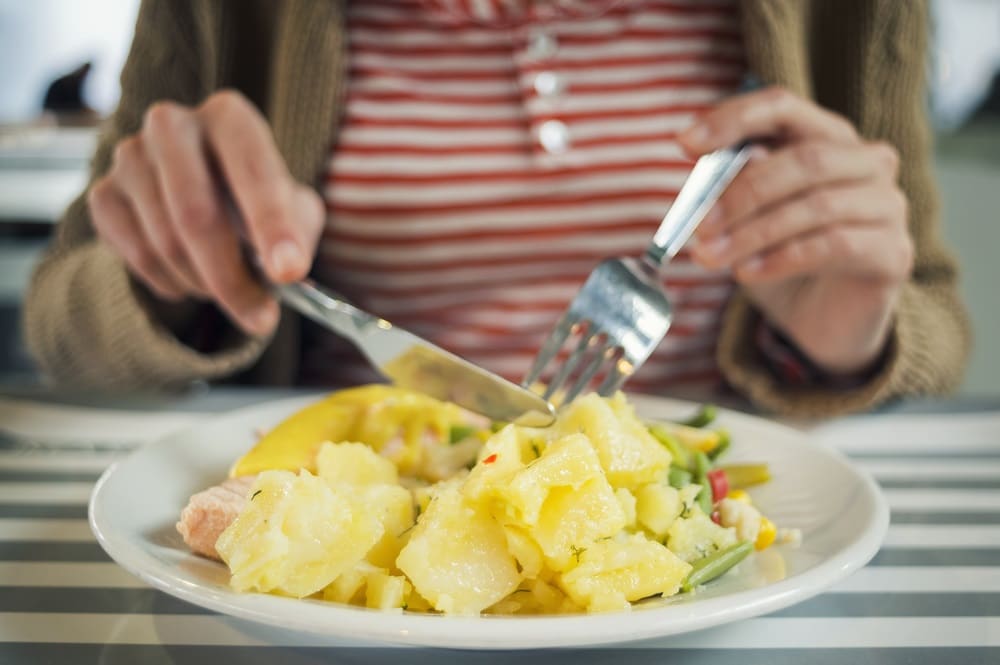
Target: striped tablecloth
[{"x": 931, "y": 595}]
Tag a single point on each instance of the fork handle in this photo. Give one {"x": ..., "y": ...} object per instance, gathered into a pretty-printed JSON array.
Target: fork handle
[{"x": 708, "y": 180}]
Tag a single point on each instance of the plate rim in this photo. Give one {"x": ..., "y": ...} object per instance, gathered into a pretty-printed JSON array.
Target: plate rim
[{"x": 355, "y": 623}]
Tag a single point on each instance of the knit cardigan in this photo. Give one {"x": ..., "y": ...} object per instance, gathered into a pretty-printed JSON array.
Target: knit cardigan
[{"x": 88, "y": 323}]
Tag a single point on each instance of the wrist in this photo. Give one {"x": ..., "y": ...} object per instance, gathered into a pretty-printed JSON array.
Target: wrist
[{"x": 793, "y": 366}]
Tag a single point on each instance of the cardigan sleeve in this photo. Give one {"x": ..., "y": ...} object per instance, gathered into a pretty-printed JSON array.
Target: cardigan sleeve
[
  {"x": 868, "y": 61},
  {"x": 86, "y": 321}
]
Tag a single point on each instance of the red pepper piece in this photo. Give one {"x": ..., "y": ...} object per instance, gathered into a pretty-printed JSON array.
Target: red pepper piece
[
  {"x": 716, "y": 517},
  {"x": 489, "y": 460},
  {"x": 719, "y": 483}
]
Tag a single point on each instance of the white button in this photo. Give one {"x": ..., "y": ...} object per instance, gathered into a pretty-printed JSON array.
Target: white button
[
  {"x": 548, "y": 84},
  {"x": 554, "y": 136},
  {"x": 543, "y": 45}
]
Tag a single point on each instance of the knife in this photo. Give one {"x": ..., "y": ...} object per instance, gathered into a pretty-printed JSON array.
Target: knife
[
  {"x": 414, "y": 363},
  {"x": 404, "y": 358}
]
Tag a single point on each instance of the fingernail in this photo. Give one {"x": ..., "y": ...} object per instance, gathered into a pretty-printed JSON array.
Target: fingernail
[
  {"x": 286, "y": 259},
  {"x": 264, "y": 318}
]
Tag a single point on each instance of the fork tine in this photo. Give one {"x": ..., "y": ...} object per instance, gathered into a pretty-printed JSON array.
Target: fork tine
[
  {"x": 549, "y": 350},
  {"x": 574, "y": 359},
  {"x": 600, "y": 357},
  {"x": 613, "y": 382}
]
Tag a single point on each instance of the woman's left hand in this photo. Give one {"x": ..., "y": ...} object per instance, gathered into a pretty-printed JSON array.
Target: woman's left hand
[{"x": 814, "y": 227}]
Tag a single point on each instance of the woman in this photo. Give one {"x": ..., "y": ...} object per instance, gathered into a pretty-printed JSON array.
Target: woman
[{"x": 484, "y": 156}]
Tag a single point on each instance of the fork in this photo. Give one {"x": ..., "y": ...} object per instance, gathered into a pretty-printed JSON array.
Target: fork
[{"x": 622, "y": 312}]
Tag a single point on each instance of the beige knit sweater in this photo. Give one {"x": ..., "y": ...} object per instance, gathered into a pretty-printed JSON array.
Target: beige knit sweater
[{"x": 89, "y": 324}]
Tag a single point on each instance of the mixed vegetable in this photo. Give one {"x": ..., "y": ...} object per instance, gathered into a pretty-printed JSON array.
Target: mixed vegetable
[
  {"x": 404, "y": 502},
  {"x": 695, "y": 460}
]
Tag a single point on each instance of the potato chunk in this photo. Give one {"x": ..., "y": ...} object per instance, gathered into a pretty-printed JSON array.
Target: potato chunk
[
  {"x": 569, "y": 462},
  {"x": 656, "y": 507},
  {"x": 385, "y": 592},
  {"x": 571, "y": 519},
  {"x": 696, "y": 536},
  {"x": 612, "y": 573},
  {"x": 297, "y": 534},
  {"x": 393, "y": 505},
  {"x": 354, "y": 463},
  {"x": 487, "y": 479},
  {"x": 627, "y": 451},
  {"x": 457, "y": 557}
]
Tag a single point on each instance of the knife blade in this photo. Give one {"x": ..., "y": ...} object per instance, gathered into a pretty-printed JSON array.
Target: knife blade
[{"x": 414, "y": 363}]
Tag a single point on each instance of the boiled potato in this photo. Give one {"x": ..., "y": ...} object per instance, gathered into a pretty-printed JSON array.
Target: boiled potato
[
  {"x": 611, "y": 573},
  {"x": 696, "y": 536},
  {"x": 354, "y": 463},
  {"x": 627, "y": 501},
  {"x": 487, "y": 479},
  {"x": 571, "y": 519},
  {"x": 349, "y": 586},
  {"x": 656, "y": 507},
  {"x": 393, "y": 505},
  {"x": 457, "y": 557},
  {"x": 568, "y": 462},
  {"x": 297, "y": 534},
  {"x": 574, "y": 517},
  {"x": 525, "y": 551},
  {"x": 627, "y": 451},
  {"x": 385, "y": 592}
]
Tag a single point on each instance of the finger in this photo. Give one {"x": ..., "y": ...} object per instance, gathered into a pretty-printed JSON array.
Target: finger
[
  {"x": 174, "y": 141},
  {"x": 793, "y": 170},
  {"x": 311, "y": 213},
  {"x": 136, "y": 180},
  {"x": 822, "y": 207},
  {"x": 862, "y": 250},
  {"x": 240, "y": 140},
  {"x": 773, "y": 113},
  {"x": 116, "y": 224}
]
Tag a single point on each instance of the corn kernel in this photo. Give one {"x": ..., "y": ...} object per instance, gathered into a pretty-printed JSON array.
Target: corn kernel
[
  {"x": 766, "y": 535},
  {"x": 738, "y": 495}
]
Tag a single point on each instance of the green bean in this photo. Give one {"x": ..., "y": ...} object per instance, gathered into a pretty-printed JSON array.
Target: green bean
[
  {"x": 701, "y": 464},
  {"x": 725, "y": 440},
  {"x": 745, "y": 475},
  {"x": 708, "y": 568},
  {"x": 678, "y": 477},
  {"x": 705, "y": 415},
  {"x": 679, "y": 452},
  {"x": 704, "y": 497},
  {"x": 701, "y": 468},
  {"x": 460, "y": 433}
]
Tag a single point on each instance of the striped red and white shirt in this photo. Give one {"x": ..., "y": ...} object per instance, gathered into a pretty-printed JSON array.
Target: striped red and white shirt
[{"x": 492, "y": 152}]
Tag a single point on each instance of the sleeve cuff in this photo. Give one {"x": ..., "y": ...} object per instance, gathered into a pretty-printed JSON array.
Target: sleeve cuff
[
  {"x": 88, "y": 326},
  {"x": 788, "y": 364}
]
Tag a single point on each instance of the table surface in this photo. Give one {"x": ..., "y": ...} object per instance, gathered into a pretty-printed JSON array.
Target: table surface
[{"x": 931, "y": 595}]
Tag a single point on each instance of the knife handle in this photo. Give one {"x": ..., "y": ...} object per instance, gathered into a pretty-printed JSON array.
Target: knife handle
[{"x": 304, "y": 296}]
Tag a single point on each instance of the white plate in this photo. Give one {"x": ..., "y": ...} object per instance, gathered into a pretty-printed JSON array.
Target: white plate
[{"x": 840, "y": 511}]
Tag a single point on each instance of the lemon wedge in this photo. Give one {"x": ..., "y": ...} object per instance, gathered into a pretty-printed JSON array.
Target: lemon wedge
[{"x": 400, "y": 424}]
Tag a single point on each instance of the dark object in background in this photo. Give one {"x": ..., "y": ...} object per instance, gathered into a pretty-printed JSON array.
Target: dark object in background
[
  {"x": 991, "y": 105},
  {"x": 64, "y": 99},
  {"x": 65, "y": 94}
]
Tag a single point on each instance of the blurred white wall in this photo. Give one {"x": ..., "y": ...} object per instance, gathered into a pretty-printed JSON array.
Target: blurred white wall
[
  {"x": 966, "y": 55},
  {"x": 41, "y": 40}
]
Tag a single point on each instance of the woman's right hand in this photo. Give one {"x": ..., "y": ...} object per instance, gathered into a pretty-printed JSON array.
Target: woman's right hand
[{"x": 159, "y": 207}]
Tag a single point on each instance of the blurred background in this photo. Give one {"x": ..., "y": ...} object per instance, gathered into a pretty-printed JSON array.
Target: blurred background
[{"x": 59, "y": 64}]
